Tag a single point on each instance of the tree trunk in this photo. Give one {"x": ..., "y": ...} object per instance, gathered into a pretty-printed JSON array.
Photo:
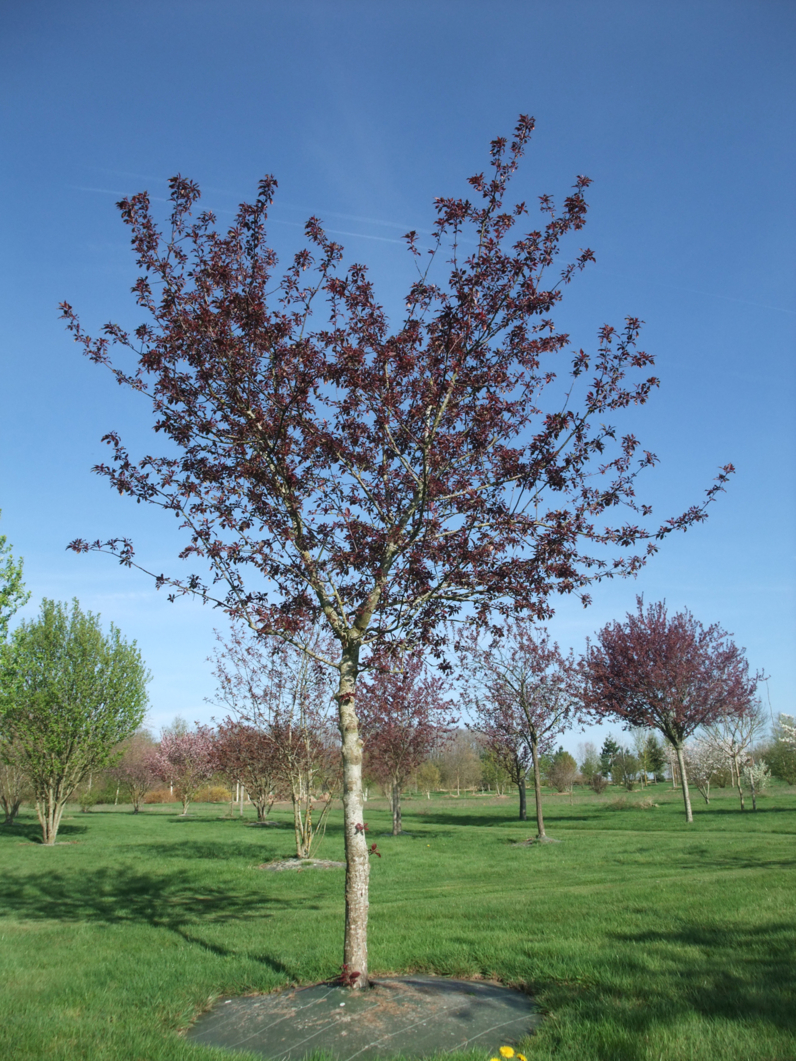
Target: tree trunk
[
  {"x": 752, "y": 790},
  {"x": 689, "y": 816},
  {"x": 300, "y": 827},
  {"x": 537, "y": 788},
  {"x": 523, "y": 800},
  {"x": 357, "y": 870},
  {"x": 737, "y": 771},
  {"x": 49, "y": 812},
  {"x": 11, "y": 809},
  {"x": 395, "y": 796}
]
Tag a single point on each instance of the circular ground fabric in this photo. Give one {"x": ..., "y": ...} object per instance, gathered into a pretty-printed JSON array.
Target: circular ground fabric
[{"x": 414, "y": 1016}]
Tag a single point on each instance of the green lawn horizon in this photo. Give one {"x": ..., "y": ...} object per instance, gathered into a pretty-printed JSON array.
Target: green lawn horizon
[{"x": 640, "y": 938}]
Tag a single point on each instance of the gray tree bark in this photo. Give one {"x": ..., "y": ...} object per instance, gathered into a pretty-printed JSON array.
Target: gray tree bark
[
  {"x": 689, "y": 816},
  {"x": 537, "y": 787},
  {"x": 355, "y": 949}
]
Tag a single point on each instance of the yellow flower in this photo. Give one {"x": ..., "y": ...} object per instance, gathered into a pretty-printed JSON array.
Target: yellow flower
[
  {"x": 521, "y": 1057},
  {"x": 506, "y": 1051}
]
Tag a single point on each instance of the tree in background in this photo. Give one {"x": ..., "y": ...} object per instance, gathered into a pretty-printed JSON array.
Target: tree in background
[
  {"x": 780, "y": 753},
  {"x": 625, "y": 769},
  {"x": 14, "y": 784},
  {"x": 608, "y": 753},
  {"x": 732, "y": 733},
  {"x": 787, "y": 729},
  {"x": 670, "y": 674},
  {"x": 404, "y": 716},
  {"x": 71, "y": 694},
  {"x": 503, "y": 732},
  {"x": 247, "y": 755},
  {"x": 590, "y": 763},
  {"x": 459, "y": 761},
  {"x": 13, "y": 594},
  {"x": 136, "y": 771},
  {"x": 331, "y": 470},
  {"x": 284, "y": 693},
  {"x": 757, "y": 775},
  {"x": 495, "y": 774},
  {"x": 428, "y": 778},
  {"x": 703, "y": 761},
  {"x": 654, "y": 757},
  {"x": 521, "y": 684},
  {"x": 514, "y": 756},
  {"x": 184, "y": 760},
  {"x": 562, "y": 771}
]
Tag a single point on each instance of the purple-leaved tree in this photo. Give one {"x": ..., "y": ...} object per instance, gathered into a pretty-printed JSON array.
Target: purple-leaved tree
[
  {"x": 521, "y": 692},
  {"x": 329, "y": 468},
  {"x": 668, "y": 673},
  {"x": 404, "y": 716}
]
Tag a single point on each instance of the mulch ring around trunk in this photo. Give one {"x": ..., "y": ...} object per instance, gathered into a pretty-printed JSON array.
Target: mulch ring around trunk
[
  {"x": 414, "y": 1016},
  {"x": 300, "y": 864}
]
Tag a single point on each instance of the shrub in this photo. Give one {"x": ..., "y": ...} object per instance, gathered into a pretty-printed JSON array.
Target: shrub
[
  {"x": 598, "y": 783},
  {"x": 623, "y": 803},
  {"x": 781, "y": 758},
  {"x": 213, "y": 794},
  {"x": 160, "y": 795}
]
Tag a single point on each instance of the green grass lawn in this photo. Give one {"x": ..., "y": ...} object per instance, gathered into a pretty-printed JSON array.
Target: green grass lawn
[{"x": 640, "y": 937}]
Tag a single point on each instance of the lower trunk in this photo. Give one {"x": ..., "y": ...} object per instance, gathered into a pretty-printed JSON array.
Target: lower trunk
[
  {"x": 49, "y": 811},
  {"x": 302, "y": 827},
  {"x": 395, "y": 797},
  {"x": 11, "y": 810},
  {"x": 752, "y": 790},
  {"x": 737, "y": 771},
  {"x": 537, "y": 788},
  {"x": 689, "y": 817},
  {"x": 523, "y": 800},
  {"x": 357, "y": 865}
]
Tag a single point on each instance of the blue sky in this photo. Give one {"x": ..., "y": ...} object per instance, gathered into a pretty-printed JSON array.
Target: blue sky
[{"x": 681, "y": 113}]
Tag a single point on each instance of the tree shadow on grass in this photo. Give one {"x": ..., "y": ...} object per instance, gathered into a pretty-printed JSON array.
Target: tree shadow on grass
[
  {"x": 722, "y": 971},
  {"x": 724, "y": 974},
  {"x": 30, "y": 832},
  {"x": 441, "y": 818},
  {"x": 173, "y": 901}
]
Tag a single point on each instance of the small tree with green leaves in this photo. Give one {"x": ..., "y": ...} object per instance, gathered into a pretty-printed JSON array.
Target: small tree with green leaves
[
  {"x": 14, "y": 785},
  {"x": 12, "y": 589},
  {"x": 70, "y": 695},
  {"x": 781, "y": 752},
  {"x": 563, "y": 771}
]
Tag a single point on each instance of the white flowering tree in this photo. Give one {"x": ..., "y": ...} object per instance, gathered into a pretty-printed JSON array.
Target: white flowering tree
[
  {"x": 787, "y": 729},
  {"x": 733, "y": 735},
  {"x": 704, "y": 760}
]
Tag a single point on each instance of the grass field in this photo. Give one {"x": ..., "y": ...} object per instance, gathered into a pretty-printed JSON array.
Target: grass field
[{"x": 639, "y": 937}]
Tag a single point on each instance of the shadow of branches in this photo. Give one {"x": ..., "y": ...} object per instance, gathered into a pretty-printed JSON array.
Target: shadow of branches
[{"x": 173, "y": 901}]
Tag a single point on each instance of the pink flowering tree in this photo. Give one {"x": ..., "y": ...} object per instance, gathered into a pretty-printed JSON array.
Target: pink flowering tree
[
  {"x": 185, "y": 761},
  {"x": 404, "y": 716},
  {"x": 137, "y": 770}
]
